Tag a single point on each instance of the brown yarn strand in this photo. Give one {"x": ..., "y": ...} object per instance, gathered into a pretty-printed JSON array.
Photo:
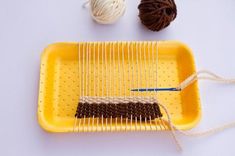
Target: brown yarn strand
[
  {"x": 126, "y": 110},
  {"x": 157, "y": 14}
]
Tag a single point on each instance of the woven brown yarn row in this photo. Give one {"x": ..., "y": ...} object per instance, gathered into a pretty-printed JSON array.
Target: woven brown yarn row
[{"x": 124, "y": 110}]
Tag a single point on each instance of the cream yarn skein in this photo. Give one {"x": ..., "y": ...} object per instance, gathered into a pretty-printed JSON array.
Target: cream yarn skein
[{"x": 107, "y": 11}]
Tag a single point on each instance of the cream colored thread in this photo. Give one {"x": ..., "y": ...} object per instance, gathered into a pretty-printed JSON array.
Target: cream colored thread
[
  {"x": 208, "y": 76},
  {"x": 143, "y": 62},
  {"x": 137, "y": 67},
  {"x": 94, "y": 72},
  {"x": 195, "y": 134},
  {"x": 75, "y": 121},
  {"x": 87, "y": 67},
  {"x": 140, "y": 56},
  {"x": 156, "y": 123},
  {"x": 123, "y": 71},
  {"x": 106, "y": 11},
  {"x": 102, "y": 70},
  {"x": 132, "y": 69},
  {"x": 111, "y": 123},
  {"x": 88, "y": 47},
  {"x": 90, "y": 69},
  {"x": 98, "y": 67},
  {"x": 83, "y": 79},
  {"x": 110, "y": 79},
  {"x": 187, "y": 82},
  {"x": 84, "y": 122},
  {"x": 83, "y": 71},
  {"x": 102, "y": 122},
  {"x": 75, "y": 124},
  {"x": 93, "y": 122},
  {"x": 98, "y": 72},
  {"x": 106, "y": 124},
  {"x": 110, "y": 74},
  {"x": 116, "y": 127},
  {"x": 90, "y": 78},
  {"x": 88, "y": 124},
  {"x": 136, "y": 124},
  {"x": 97, "y": 124},
  {"x": 131, "y": 123},
  {"x": 207, "y": 132},
  {"x": 116, "y": 99},
  {"x": 114, "y": 66},
  {"x": 119, "y": 77},
  {"x": 150, "y": 69},
  {"x": 128, "y": 62},
  {"x": 171, "y": 126},
  {"x": 95, "y": 90},
  {"x": 152, "y": 78},
  {"x": 79, "y": 125},
  {"x": 132, "y": 81},
  {"x": 147, "y": 81},
  {"x": 150, "y": 123},
  {"x": 140, "y": 122},
  {"x": 106, "y": 73}
]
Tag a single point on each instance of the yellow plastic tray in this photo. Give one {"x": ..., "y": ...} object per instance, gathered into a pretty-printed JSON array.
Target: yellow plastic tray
[{"x": 61, "y": 81}]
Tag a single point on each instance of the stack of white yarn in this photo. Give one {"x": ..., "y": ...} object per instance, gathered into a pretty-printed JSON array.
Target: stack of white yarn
[{"x": 107, "y": 11}]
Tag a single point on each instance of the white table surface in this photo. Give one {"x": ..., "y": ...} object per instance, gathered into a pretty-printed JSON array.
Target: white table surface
[{"x": 27, "y": 26}]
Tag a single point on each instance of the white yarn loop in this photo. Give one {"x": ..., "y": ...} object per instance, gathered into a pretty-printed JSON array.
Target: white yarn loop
[{"x": 106, "y": 11}]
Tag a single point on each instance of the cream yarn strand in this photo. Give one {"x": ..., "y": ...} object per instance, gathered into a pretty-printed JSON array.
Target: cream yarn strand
[
  {"x": 206, "y": 75},
  {"x": 106, "y": 11}
]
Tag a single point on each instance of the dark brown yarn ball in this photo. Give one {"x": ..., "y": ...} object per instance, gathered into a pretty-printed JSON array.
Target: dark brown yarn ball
[{"x": 157, "y": 14}]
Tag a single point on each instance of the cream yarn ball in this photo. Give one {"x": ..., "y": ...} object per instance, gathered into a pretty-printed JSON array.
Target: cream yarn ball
[{"x": 107, "y": 11}]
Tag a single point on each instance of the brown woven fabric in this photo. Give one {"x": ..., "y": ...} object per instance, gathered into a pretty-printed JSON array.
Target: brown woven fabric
[
  {"x": 157, "y": 14},
  {"x": 124, "y": 110}
]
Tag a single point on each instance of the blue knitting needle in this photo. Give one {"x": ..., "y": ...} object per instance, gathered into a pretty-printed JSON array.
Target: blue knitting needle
[{"x": 154, "y": 89}]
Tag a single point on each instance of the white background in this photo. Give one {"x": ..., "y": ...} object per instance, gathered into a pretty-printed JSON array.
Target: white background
[{"x": 27, "y": 26}]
